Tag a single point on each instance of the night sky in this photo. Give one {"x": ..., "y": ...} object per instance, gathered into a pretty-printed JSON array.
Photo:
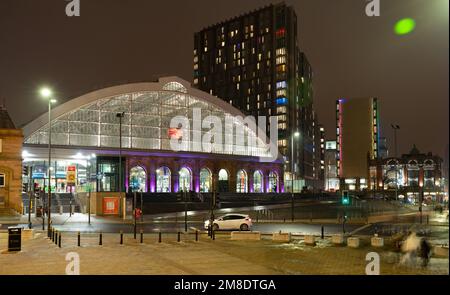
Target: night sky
[{"x": 116, "y": 41}]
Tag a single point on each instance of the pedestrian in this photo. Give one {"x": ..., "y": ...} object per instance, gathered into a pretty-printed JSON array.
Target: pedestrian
[{"x": 425, "y": 251}]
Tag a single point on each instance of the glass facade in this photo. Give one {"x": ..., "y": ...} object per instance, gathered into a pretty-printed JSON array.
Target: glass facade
[
  {"x": 223, "y": 181},
  {"x": 163, "y": 180},
  {"x": 241, "y": 182},
  {"x": 138, "y": 178},
  {"x": 145, "y": 125},
  {"x": 205, "y": 181},
  {"x": 258, "y": 185},
  {"x": 185, "y": 180}
]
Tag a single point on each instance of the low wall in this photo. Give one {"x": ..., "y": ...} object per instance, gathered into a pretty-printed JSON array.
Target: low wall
[{"x": 246, "y": 235}]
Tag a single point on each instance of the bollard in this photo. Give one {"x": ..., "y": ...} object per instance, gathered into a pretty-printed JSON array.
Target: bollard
[
  {"x": 428, "y": 219},
  {"x": 142, "y": 236},
  {"x": 100, "y": 241},
  {"x": 159, "y": 238},
  {"x": 121, "y": 237},
  {"x": 79, "y": 239},
  {"x": 321, "y": 235},
  {"x": 196, "y": 235},
  {"x": 179, "y": 237},
  {"x": 213, "y": 234},
  {"x": 59, "y": 241},
  {"x": 56, "y": 237},
  {"x": 52, "y": 234}
]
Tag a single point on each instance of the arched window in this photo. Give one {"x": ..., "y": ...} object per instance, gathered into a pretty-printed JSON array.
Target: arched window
[
  {"x": 241, "y": 182},
  {"x": 163, "y": 180},
  {"x": 205, "y": 181},
  {"x": 273, "y": 182},
  {"x": 184, "y": 180},
  {"x": 138, "y": 179},
  {"x": 223, "y": 181},
  {"x": 258, "y": 182}
]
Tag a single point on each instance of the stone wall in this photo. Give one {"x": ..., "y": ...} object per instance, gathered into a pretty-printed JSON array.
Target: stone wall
[{"x": 11, "y": 167}]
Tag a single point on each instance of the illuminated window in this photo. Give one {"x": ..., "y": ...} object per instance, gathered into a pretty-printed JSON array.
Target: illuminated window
[
  {"x": 281, "y": 68},
  {"x": 282, "y": 126},
  {"x": 281, "y": 51},
  {"x": 281, "y": 101},
  {"x": 281, "y": 110},
  {"x": 281, "y": 84},
  {"x": 281, "y": 92},
  {"x": 281, "y": 117}
]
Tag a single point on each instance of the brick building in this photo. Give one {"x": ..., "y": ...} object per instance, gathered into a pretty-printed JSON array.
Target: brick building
[{"x": 11, "y": 140}]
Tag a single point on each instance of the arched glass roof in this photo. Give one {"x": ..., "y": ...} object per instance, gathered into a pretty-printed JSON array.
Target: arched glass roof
[{"x": 91, "y": 120}]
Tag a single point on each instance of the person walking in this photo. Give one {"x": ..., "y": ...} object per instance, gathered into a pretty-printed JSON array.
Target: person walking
[{"x": 425, "y": 251}]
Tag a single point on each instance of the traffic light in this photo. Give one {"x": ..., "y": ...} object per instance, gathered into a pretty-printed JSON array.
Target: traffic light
[
  {"x": 345, "y": 198},
  {"x": 24, "y": 187},
  {"x": 25, "y": 170}
]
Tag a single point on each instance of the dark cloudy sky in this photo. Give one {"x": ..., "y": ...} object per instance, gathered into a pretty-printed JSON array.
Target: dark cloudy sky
[{"x": 115, "y": 41}]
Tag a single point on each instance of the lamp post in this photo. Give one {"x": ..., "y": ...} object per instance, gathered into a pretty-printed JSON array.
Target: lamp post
[
  {"x": 395, "y": 128},
  {"x": 47, "y": 94},
  {"x": 120, "y": 116},
  {"x": 295, "y": 134}
]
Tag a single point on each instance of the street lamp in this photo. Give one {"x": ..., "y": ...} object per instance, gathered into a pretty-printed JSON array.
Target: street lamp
[
  {"x": 47, "y": 94},
  {"x": 120, "y": 116},
  {"x": 395, "y": 128},
  {"x": 295, "y": 134}
]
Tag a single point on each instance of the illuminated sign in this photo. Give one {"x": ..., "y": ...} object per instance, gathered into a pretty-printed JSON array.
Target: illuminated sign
[
  {"x": 71, "y": 175},
  {"x": 330, "y": 145}
]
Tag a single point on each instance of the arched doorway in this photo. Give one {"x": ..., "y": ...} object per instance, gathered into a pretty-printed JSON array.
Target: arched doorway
[
  {"x": 184, "y": 180},
  {"x": 273, "y": 182},
  {"x": 223, "y": 181},
  {"x": 163, "y": 180},
  {"x": 258, "y": 183},
  {"x": 138, "y": 179},
  {"x": 205, "y": 181},
  {"x": 241, "y": 182}
]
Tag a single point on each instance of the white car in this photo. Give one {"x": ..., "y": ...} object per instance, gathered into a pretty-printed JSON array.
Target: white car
[{"x": 231, "y": 221}]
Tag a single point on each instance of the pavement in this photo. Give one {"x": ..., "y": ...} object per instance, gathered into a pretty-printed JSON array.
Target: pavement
[{"x": 221, "y": 256}]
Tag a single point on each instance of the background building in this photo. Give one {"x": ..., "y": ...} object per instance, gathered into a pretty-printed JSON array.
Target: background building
[
  {"x": 357, "y": 126},
  {"x": 409, "y": 176},
  {"x": 254, "y": 63},
  {"x": 331, "y": 171},
  {"x": 11, "y": 140}
]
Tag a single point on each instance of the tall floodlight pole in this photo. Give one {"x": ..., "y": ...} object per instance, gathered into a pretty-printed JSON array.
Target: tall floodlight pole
[
  {"x": 395, "y": 128},
  {"x": 120, "y": 116},
  {"x": 47, "y": 94},
  {"x": 296, "y": 134}
]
